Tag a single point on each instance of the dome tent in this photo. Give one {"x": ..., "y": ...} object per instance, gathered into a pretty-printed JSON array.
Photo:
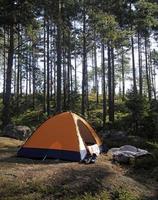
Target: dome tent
[{"x": 65, "y": 136}]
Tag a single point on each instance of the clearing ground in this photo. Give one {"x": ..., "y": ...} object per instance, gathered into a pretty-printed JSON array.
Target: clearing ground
[{"x": 53, "y": 179}]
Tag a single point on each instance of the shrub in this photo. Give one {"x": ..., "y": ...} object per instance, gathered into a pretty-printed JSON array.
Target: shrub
[
  {"x": 95, "y": 119},
  {"x": 30, "y": 118},
  {"x": 139, "y": 108}
]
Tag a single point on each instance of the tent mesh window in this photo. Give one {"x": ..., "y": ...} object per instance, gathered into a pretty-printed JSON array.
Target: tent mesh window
[{"x": 85, "y": 133}]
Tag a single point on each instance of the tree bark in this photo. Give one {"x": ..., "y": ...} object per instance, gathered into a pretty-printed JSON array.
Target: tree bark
[
  {"x": 140, "y": 65},
  {"x": 147, "y": 70},
  {"x": 69, "y": 74},
  {"x": 133, "y": 67},
  {"x": 104, "y": 86},
  {"x": 64, "y": 80},
  {"x": 123, "y": 77},
  {"x": 84, "y": 67},
  {"x": 113, "y": 84},
  {"x": 33, "y": 76},
  {"x": 96, "y": 69},
  {"x": 75, "y": 63},
  {"x": 58, "y": 108},
  {"x": 109, "y": 85},
  {"x": 18, "y": 71},
  {"x": 48, "y": 71},
  {"x": 4, "y": 63},
  {"x": 44, "y": 55},
  {"x": 7, "y": 96}
]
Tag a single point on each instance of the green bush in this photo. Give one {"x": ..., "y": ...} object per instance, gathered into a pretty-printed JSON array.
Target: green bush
[
  {"x": 120, "y": 107},
  {"x": 149, "y": 126},
  {"x": 95, "y": 119},
  {"x": 30, "y": 118}
]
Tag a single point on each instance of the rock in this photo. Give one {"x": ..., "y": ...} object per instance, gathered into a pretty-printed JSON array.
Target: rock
[
  {"x": 17, "y": 132},
  {"x": 126, "y": 153}
]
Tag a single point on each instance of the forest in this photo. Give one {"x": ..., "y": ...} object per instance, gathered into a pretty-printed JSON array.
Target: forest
[{"x": 95, "y": 58}]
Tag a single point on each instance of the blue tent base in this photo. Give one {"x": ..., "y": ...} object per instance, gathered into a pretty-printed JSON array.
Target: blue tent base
[{"x": 49, "y": 153}]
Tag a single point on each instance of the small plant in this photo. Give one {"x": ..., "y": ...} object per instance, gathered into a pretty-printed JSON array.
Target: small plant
[{"x": 122, "y": 194}]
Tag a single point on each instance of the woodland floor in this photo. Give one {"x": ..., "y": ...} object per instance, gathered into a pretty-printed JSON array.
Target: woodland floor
[{"x": 53, "y": 179}]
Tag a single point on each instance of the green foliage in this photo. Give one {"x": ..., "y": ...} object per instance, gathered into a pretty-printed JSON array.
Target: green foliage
[
  {"x": 120, "y": 107},
  {"x": 37, "y": 190},
  {"x": 146, "y": 13},
  {"x": 122, "y": 194},
  {"x": 30, "y": 118},
  {"x": 138, "y": 107},
  {"x": 88, "y": 196},
  {"x": 150, "y": 126},
  {"x": 95, "y": 119}
]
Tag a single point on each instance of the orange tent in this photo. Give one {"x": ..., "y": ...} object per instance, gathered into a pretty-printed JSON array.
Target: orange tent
[{"x": 65, "y": 136}]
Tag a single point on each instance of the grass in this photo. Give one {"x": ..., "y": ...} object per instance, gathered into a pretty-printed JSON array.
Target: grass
[{"x": 32, "y": 190}]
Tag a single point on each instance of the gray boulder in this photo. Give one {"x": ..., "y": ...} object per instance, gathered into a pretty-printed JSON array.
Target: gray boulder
[
  {"x": 17, "y": 132},
  {"x": 126, "y": 153}
]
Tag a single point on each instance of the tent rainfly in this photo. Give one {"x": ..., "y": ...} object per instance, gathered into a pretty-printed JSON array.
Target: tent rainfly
[{"x": 65, "y": 136}]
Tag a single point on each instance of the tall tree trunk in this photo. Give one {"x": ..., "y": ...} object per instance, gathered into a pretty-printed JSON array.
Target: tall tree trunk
[
  {"x": 147, "y": 70},
  {"x": 44, "y": 78},
  {"x": 154, "y": 81},
  {"x": 58, "y": 108},
  {"x": 123, "y": 76},
  {"x": 4, "y": 63},
  {"x": 133, "y": 67},
  {"x": 75, "y": 64},
  {"x": 96, "y": 69},
  {"x": 27, "y": 76},
  {"x": 18, "y": 70},
  {"x": 84, "y": 66},
  {"x": 113, "y": 83},
  {"x": 140, "y": 65},
  {"x": 55, "y": 67},
  {"x": 93, "y": 68},
  {"x": 33, "y": 76},
  {"x": 109, "y": 85},
  {"x": 6, "y": 110},
  {"x": 104, "y": 86},
  {"x": 51, "y": 63},
  {"x": 64, "y": 80},
  {"x": 15, "y": 74},
  {"x": 48, "y": 71},
  {"x": 69, "y": 73},
  {"x": 30, "y": 72},
  {"x": 133, "y": 51},
  {"x": 75, "y": 60}
]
